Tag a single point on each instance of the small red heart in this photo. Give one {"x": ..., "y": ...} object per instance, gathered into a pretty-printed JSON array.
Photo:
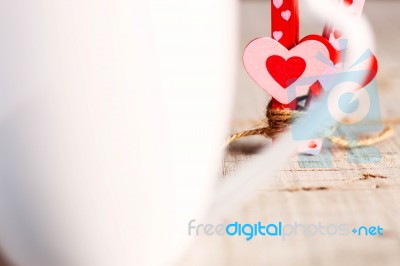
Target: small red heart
[
  {"x": 337, "y": 34},
  {"x": 285, "y": 72},
  {"x": 312, "y": 145},
  {"x": 348, "y": 2}
]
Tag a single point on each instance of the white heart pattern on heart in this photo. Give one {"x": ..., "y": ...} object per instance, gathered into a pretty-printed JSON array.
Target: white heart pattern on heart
[
  {"x": 278, "y": 3},
  {"x": 286, "y": 15},
  {"x": 301, "y": 62},
  {"x": 277, "y": 35}
]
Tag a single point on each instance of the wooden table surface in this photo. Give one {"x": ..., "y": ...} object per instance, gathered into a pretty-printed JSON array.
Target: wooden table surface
[{"x": 345, "y": 192}]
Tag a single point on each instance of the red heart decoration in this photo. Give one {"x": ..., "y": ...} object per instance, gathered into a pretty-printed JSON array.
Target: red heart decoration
[
  {"x": 285, "y": 72},
  {"x": 373, "y": 70},
  {"x": 312, "y": 145},
  {"x": 337, "y": 34},
  {"x": 348, "y": 2},
  {"x": 278, "y": 70},
  {"x": 335, "y": 57}
]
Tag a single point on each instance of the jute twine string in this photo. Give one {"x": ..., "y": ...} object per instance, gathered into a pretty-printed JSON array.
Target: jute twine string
[
  {"x": 386, "y": 133},
  {"x": 280, "y": 119}
]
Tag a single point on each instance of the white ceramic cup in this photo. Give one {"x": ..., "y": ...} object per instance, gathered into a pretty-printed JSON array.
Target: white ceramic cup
[{"x": 112, "y": 119}]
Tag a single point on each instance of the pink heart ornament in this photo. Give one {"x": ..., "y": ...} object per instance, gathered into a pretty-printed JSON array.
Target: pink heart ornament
[{"x": 258, "y": 51}]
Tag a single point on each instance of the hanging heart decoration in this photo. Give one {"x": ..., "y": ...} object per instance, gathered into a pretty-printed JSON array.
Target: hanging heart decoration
[{"x": 285, "y": 74}]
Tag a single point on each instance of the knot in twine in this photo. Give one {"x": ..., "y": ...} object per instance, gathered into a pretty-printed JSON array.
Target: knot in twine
[{"x": 278, "y": 120}]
